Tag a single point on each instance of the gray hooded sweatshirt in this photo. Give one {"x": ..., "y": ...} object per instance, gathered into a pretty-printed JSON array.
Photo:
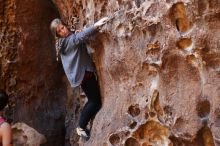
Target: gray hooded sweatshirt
[{"x": 74, "y": 55}]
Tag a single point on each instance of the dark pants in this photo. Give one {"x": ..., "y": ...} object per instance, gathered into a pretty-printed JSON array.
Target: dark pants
[{"x": 90, "y": 87}]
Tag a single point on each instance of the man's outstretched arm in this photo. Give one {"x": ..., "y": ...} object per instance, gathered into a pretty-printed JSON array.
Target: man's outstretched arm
[{"x": 87, "y": 32}]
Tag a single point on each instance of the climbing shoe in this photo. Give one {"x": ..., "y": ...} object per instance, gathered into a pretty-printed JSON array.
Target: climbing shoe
[{"x": 84, "y": 134}]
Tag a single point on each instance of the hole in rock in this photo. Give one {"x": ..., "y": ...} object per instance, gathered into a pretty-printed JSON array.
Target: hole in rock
[
  {"x": 179, "y": 124},
  {"x": 184, "y": 43},
  {"x": 134, "y": 110},
  {"x": 131, "y": 142},
  {"x": 152, "y": 114},
  {"x": 114, "y": 139},
  {"x": 178, "y": 15},
  {"x": 147, "y": 100},
  {"x": 133, "y": 125},
  {"x": 203, "y": 108}
]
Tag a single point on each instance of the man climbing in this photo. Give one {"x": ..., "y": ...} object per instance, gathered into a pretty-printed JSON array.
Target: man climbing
[{"x": 79, "y": 67}]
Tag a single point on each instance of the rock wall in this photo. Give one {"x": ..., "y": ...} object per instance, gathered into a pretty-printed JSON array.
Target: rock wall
[
  {"x": 29, "y": 71},
  {"x": 158, "y": 66},
  {"x": 157, "y": 61}
]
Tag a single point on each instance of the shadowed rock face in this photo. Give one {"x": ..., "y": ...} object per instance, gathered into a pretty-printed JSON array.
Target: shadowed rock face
[
  {"x": 28, "y": 70},
  {"x": 158, "y": 65}
]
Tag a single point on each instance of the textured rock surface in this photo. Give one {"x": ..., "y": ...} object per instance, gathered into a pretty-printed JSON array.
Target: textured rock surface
[
  {"x": 28, "y": 70},
  {"x": 23, "y": 135},
  {"x": 159, "y": 66}
]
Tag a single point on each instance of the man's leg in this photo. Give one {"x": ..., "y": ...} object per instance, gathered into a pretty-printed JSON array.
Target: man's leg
[{"x": 91, "y": 89}]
